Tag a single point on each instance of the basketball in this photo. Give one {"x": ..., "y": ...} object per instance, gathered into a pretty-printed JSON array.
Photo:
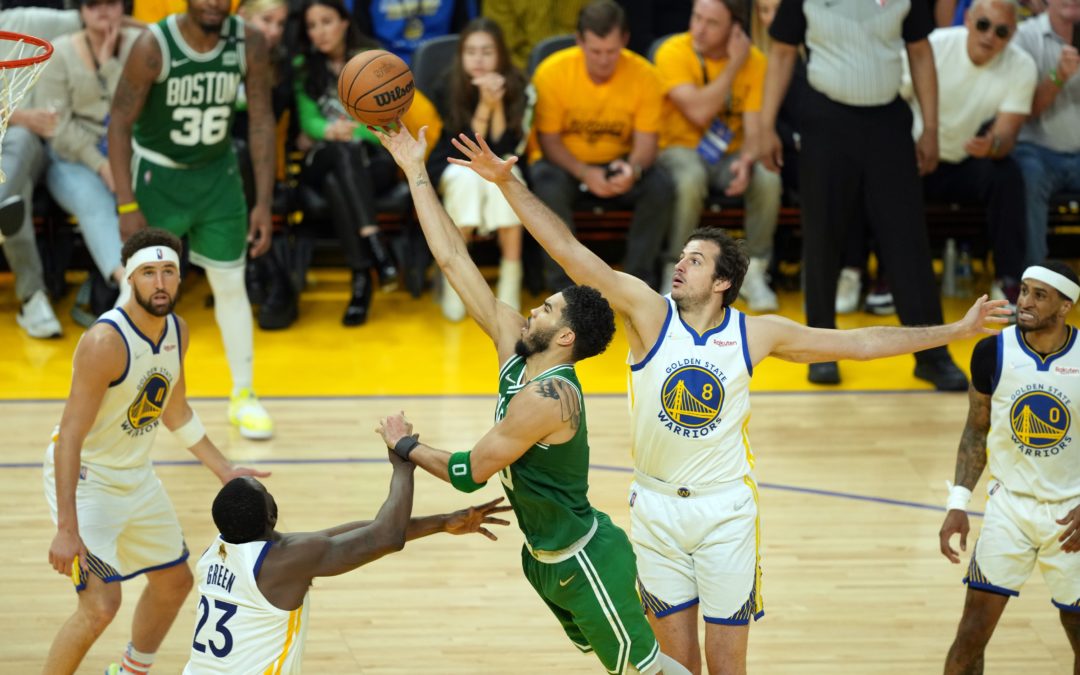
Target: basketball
[{"x": 376, "y": 87}]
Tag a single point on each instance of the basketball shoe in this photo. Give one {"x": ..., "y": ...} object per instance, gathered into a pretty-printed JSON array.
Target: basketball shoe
[
  {"x": 249, "y": 416},
  {"x": 755, "y": 287}
]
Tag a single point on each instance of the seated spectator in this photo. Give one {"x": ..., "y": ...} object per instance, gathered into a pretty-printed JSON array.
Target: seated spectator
[
  {"x": 1049, "y": 147},
  {"x": 402, "y": 26},
  {"x": 482, "y": 93},
  {"x": 79, "y": 84},
  {"x": 985, "y": 85},
  {"x": 714, "y": 79},
  {"x": 526, "y": 22},
  {"x": 347, "y": 163},
  {"x": 598, "y": 119}
]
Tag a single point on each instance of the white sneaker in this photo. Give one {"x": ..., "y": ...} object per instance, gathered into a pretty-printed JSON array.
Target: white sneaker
[
  {"x": 249, "y": 416},
  {"x": 508, "y": 288},
  {"x": 37, "y": 317},
  {"x": 755, "y": 288},
  {"x": 880, "y": 303},
  {"x": 848, "y": 289}
]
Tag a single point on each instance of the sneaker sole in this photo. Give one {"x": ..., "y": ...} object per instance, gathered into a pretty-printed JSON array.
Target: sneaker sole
[{"x": 255, "y": 435}]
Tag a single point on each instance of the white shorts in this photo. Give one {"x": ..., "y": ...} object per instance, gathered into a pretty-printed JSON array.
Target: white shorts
[
  {"x": 1017, "y": 531},
  {"x": 698, "y": 547},
  {"x": 126, "y": 520},
  {"x": 472, "y": 201}
]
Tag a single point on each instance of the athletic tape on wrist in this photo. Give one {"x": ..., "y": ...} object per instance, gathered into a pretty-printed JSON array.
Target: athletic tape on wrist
[
  {"x": 191, "y": 432},
  {"x": 460, "y": 469},
  {"x": 959, "y": 497}
]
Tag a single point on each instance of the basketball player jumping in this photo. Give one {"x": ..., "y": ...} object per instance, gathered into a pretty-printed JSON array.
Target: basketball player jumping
[
  {"x": 693, "y": 507},
  {"x": 1025, "y": 387},
  {"x": 576, "y": 559},
  {"x": 113, "y": 517},
  {"x": 172, "y": 156}
]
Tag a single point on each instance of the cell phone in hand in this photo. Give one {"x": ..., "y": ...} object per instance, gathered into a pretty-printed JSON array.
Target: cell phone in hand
[
  {"x": 985, "y": 127},
  {"x": 610, "y": 171}
]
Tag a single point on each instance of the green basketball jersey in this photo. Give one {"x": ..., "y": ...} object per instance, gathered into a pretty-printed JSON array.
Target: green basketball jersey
[
  {"x": 548, "y": 486},
  {"x": 188, "y": 113}
]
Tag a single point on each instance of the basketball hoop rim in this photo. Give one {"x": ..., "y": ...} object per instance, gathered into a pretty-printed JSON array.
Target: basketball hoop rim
[{"x": 30, "y": 60}]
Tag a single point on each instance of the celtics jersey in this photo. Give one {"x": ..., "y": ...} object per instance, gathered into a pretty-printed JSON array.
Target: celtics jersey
[
  {"x": 189, "y": 109},
  {"x": 548, "y": 485}
]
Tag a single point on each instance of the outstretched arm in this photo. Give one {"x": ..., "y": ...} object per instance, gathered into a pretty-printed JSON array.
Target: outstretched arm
[
  {"x": 785, "y": 339},
  {"x": 500, "y": 321},
  {"x": 644, "y": 309},
  {"x": 463, "y": 521},
  {"x": 970, "y": 462},
  {"x": 141, "y": 69}
]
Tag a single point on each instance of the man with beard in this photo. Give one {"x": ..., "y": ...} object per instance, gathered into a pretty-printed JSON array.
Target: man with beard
[
  {"x": 172, "y": 158},
  {"x": 577, "y": 560},
  {"x": 114, "y": 520},
  {"x": 693, "y": 504},
  {"x": 1025, "y": 386}
]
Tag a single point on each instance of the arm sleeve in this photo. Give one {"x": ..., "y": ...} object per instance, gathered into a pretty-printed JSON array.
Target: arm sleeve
[
  {"x": 919, "y": 22},
  {"x": 789, "y": 26},
  {"x": 984, "y": 365}
]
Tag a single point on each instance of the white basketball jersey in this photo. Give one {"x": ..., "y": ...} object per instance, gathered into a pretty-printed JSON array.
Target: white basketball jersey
[
  {"x": 237, "y": 630},
  {"x": 130, "y": 412},
  {"x": 1030, "y": 443},
  {"x": 690, "y": 403}
]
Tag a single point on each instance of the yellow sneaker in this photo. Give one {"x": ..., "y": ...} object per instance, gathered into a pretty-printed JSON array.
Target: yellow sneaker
[
  {"x": 249, "y": 416},
  {"x": 112, "y": 669}
]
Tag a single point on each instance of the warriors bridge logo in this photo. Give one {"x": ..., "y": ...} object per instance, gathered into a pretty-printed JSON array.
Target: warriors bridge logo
[
  {"x": 1039, "y": 420},
  {"x": 145, "y": 411},
  {"x": 692, "y": 397}
]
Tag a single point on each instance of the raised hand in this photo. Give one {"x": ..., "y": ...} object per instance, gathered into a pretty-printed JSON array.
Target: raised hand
[
  {"x": 986, "y": 311},
  {"x": 407, "y": 151},
  {"x": 393, "y": 428},
  {"x": 473, "y": 519},
  {"x": 482, "y": 160},
  {"x": 956, "y": 522}
]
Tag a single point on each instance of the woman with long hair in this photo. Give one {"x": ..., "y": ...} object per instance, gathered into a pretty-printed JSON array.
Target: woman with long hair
[
  {"x": 483, "y": 94},
  {"x": 347, "y": 163}
]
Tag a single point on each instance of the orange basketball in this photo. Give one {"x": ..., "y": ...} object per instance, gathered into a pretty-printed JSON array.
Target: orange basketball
[{"x": 376, "y": 87}]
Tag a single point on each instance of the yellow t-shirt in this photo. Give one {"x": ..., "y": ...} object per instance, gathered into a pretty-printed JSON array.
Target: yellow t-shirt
[
  {"x": 597, "y": 121},
  {"x": 152, "y": 11},
  {"x": 679, "y": 64}
]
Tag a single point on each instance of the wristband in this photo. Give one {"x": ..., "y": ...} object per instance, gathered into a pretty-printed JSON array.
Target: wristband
[
  {"x": 404, "y": 446},
  {"x": 130, "y": 207},
  {"x": 1056, "y": 79},
  {"x": 959, "y": 497},
  {"x": 191, "y": 432},
  {"x": 460, "y": 469}
]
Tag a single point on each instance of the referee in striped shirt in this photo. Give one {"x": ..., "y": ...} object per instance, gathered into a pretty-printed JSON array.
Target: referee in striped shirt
[{"x": 857, "y": 154}]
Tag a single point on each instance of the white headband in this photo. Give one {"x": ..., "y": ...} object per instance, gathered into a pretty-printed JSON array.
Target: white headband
[
  {"x": 150, "y": 254},
  {"x": 1054, "y": 280}
]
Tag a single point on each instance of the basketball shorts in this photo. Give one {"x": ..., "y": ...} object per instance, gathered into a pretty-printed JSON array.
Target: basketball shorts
[
  {"x": 126, "y": 520},
  {"x": 698, "y": 547},
  {"x": 205, "y": 204},
  {"x": 592, "y": 595},
  {"x": 1017, "y": 532}
]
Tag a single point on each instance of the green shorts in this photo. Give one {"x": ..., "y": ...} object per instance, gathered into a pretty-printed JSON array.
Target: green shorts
[
  {"x": 205, "y": 204},
  {"x": 594, "y": 596}
]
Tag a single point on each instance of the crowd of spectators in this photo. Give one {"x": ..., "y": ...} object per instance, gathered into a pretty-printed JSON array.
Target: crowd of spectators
[{"x": 761, "y": 101}]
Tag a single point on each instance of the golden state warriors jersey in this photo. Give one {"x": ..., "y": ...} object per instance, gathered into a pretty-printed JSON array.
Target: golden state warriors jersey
[
  {"x": 130, "y": 412},
  {"x": 690, "y": 403},
  {"x": 237, "y": 630},
  {"x": 1030, "y": 443}
]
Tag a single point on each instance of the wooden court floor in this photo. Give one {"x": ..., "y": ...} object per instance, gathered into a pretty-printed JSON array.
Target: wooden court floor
[{"x": 851, "y": 481}]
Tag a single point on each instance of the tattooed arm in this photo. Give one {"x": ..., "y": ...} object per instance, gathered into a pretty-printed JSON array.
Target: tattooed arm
[
  {"x": 548, "y": 411},
  {"x": 970, "y": 462},
  {"x": 142, "y": 68},
  {"x": 261, "y": 138}
]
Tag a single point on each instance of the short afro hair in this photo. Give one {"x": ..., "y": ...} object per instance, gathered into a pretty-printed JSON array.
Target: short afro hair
[
  {"x": 732, "y": 262},
  {"x": 589, "y": 315},
  {"x": 147, "y": 238},
  {"x": 240, "y": 511}
]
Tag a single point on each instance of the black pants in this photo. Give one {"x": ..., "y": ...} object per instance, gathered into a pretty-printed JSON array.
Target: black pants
[
  {"x": 348, "y": 175},
  {"x": 861, "y": 161},
  {"x": 998, "y": 185},
  {"x": 652, "y": 199}
]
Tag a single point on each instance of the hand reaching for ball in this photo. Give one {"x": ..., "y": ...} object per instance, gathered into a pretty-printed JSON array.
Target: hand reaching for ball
[{"x": 407, "y": 151}]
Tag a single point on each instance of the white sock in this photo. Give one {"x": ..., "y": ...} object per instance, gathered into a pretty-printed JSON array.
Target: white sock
[
  {"x": 509, "y": 287},
  {"x": 233, "y": 313},
  {"x": 136, "y": 662}
]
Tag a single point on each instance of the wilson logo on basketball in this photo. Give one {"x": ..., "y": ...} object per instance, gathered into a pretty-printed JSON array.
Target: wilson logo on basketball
[{"x": 388, "y": 97}]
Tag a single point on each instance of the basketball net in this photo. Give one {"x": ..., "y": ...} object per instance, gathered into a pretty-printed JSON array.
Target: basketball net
[{"x": 21, "y": 59}]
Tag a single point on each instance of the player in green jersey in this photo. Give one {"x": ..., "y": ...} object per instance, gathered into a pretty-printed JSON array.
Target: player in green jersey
[
  {"x": 576, "y": 559},
  {"x": 172, "y": 158}
]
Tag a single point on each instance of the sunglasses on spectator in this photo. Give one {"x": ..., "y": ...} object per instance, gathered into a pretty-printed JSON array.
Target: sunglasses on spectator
[{"x": 1001, "y": 30}]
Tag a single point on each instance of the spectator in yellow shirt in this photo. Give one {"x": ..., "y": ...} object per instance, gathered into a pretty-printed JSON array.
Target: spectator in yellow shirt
[
  {"x": 152, "y": 11},
  {"x": 598, "y": 119},
  {"x": 714, "y": 80}
]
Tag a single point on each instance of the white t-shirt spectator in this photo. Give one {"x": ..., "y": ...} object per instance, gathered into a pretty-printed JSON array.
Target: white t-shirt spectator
[
  {"x": 1058, "y": 127},
  {"x": 969, "y": 95}
]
